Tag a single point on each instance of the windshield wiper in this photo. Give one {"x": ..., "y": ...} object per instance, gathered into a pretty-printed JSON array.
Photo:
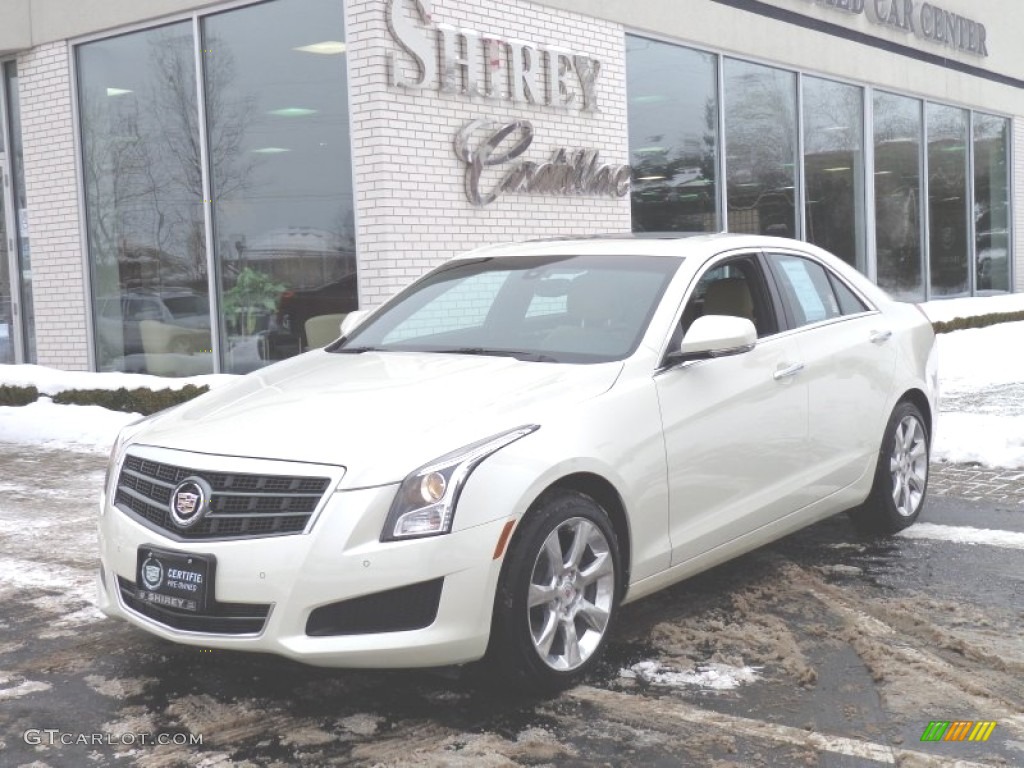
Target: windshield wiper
[
  {"x": 518, "y": 354},
  {"x": 358, "y": 350}
]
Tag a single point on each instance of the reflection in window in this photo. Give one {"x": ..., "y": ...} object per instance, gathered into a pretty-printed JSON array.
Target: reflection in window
[
  {"x": 6, "y": 301},
  {"x": 991, "y": 203},
  {"x": 947, "y": 200},
  {"x": 143, "y": 197},
  {"x": 673, "y": 130},
  {"x": 897, "y": 137},
  {"x": 277, "y": 121},
  {"x": 760, "y": 142},
  {"x": 834, "y": 168},
  {"x": 19, "y": 204}
]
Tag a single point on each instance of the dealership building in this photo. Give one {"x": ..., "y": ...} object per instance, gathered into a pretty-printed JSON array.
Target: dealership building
[{"x": 194, "y": 187}]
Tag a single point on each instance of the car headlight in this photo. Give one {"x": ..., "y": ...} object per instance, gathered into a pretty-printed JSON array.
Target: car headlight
[{"x": 426, "y": 499}]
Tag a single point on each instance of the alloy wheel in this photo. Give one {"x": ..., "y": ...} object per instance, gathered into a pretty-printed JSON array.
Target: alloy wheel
[
  {"x": 908, "y": 466},
  {"x": 571, "y": 594}
]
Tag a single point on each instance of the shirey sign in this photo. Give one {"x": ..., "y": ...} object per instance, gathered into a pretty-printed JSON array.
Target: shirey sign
[
  {"x": 486, "y": 67},
  {"x": 925, "y": 21}
]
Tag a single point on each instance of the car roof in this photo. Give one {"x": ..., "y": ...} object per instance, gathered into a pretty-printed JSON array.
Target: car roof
[{"x": 674, "y": 244}]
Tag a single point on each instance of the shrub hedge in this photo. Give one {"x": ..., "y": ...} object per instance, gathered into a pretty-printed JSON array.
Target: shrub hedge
[
  {"x": 17, "y": 395},
  {"x": 141, "y": 400},
  {"x": 981, "y": 321}
]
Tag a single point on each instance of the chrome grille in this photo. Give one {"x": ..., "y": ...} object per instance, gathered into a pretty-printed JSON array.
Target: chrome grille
[{"x": 242, "y": 505}]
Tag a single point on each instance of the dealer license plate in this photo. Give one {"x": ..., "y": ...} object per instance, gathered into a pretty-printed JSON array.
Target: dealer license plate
[{"x": 177, "y": 580}]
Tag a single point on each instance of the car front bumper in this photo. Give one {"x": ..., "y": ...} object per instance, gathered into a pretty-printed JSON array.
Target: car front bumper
[{"x": 340, "y": 558}]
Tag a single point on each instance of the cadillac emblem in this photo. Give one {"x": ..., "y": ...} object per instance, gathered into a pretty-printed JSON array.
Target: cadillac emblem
[
  {"x": 189, "y": 501},
  {"x": 152, "y": 572}
]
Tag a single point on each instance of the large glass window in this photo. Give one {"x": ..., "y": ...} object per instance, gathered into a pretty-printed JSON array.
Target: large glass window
[
  {"x": 991, "y": 203},
  {"x": 897, "y": 137},
  {"x": 19, "y": 206},
  {"x": 6, "y": 295},
  {"x": 760, "y": 143},
  {"x": 274, "y": 156},
  {"x": 673, "y": 136},
  {"x": 144, "y": 202},
  {"x": 277, "y": 117},
  {"x": 948, "y": 244},
  {"x": 833, "y": 116}
]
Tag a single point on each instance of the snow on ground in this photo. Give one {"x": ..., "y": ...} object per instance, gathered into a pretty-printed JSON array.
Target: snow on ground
[
  {"x": 947, "y": 309},
  {"x": 50, "y": 381},
  {"x": 77, "y": 427},
  {"x": 981, "y": 375},
  {"x": 712, "y": 676}
]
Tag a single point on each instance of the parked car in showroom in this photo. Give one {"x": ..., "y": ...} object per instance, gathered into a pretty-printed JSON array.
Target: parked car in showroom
[{"x": 528, "y": 437}]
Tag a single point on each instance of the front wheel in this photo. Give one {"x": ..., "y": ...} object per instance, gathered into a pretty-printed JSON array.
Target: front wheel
[
  {"x": 901, "y": 475},
  {"x": 558, "y": 593}
]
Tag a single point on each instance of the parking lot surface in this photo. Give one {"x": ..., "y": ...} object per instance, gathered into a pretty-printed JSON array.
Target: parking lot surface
[{"x": 825, "y": 649}]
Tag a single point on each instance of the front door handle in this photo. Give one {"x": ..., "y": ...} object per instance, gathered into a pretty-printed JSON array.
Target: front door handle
[
  {"x": 784, "y": 372},
  {"x": 880, "y": 337}
]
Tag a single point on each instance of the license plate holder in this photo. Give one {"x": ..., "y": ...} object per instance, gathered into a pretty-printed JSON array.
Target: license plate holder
[{"x": 181, "y": 581}]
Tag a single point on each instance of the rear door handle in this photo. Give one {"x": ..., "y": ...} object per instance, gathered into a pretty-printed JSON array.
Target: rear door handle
[
  {"x": 787, "y": 371},
  {"x": 880, "y": 337}
]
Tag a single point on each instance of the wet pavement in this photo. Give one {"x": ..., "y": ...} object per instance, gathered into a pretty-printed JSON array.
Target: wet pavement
[{"x": 854, "y": 646}]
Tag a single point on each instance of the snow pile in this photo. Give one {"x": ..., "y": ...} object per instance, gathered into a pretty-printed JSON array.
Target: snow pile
[
  {"x": 69, "y": 427},
  {"x": 981, "y": 382},
  {"x": 50, "y": 381},
  {"x": 944, "y": 310},
  {"x": 77, "y": 427},
  {"x": 711, "y": 676}
]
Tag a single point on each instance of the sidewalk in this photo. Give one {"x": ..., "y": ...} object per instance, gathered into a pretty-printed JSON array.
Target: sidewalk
[{"x": 974, "y": 483}]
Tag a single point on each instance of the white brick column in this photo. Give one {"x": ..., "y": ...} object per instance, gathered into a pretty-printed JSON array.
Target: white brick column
[
  {"x": 51, "y": 189},
  {"x": 411, "y": 205}
]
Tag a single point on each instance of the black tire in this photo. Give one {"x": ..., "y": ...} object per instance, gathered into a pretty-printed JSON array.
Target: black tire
[
  {"x": 901, "y": 474},
  {"x": 578, "y": 602}
]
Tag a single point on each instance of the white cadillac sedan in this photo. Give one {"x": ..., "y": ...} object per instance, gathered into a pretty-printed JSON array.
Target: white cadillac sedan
[{"x": 523, "y": 440}]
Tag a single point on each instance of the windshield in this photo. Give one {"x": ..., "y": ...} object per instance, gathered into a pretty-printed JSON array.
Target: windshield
[{"x": 576, "y": 309}]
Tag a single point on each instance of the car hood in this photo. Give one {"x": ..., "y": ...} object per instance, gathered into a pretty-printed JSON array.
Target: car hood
[{"x": 380, "y": 414}]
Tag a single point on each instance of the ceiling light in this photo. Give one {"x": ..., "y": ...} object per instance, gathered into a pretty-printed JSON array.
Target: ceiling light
[
  {"x": 327, "y": 48},
  {"x": 650, "y": 178},
  {"x": 836, "y": 170},
  {"x": 117, "y": 91},
  {"x": 270, "y": 150},
  {"x": 292, "y": 112}
]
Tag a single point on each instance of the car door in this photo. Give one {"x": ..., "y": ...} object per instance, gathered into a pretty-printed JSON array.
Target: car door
[
  {"x": 849, "y": 361},
  {"x": 735, "y": 427}
]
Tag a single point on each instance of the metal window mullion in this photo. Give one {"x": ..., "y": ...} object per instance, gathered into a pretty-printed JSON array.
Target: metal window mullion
[
  {"x": 925, "y": 206},
  {"x": 870, "y": 214},
  {"x": 212, "y": 276},
  {"x": 799, "y": 171},
  {"x": 972, "y": 234},
  {"x": 722, "y": 196}
]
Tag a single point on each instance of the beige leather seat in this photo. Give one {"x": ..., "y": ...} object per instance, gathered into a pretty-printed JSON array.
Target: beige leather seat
[
  {"x": 321, "y": 330},
  {"x": 730, "y": 296}
]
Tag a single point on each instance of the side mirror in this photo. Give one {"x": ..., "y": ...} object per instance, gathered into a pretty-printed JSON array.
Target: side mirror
[
  {"x": 352, "y": 319},
  {"x": 715, "y": 336}
]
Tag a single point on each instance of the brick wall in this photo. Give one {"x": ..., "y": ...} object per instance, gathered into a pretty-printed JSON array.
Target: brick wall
[
  {"x": 412, "y": 210},
  {"x": 51, "y": 188}
]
